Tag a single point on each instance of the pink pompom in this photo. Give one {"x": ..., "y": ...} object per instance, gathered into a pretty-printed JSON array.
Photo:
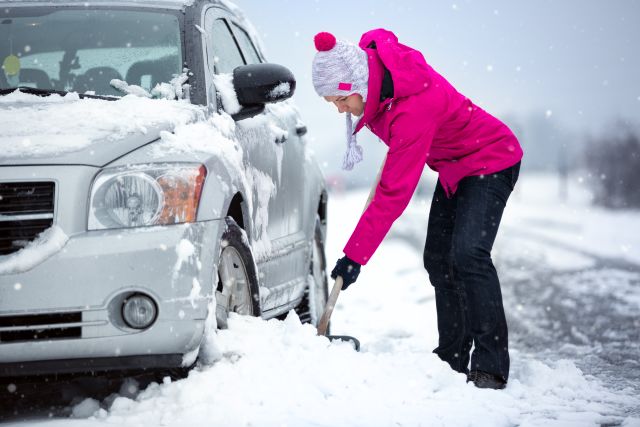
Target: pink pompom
[{"x": 324, "y": 41}]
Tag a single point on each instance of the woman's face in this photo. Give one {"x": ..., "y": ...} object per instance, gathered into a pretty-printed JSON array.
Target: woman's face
[{"x": 348, "y": 104}]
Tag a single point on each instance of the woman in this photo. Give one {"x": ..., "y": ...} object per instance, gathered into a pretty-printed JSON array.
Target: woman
[{"x": 424, "y": 120}]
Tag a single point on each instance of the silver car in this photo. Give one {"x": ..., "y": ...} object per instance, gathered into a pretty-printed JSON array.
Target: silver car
[{"x": 117, "y": 247}]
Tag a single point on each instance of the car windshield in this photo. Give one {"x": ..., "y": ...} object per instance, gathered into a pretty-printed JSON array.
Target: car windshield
[{"x": 83, "y": 50}]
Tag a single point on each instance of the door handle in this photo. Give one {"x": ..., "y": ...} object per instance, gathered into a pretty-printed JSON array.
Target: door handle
[{"x": 301, "y": 130}]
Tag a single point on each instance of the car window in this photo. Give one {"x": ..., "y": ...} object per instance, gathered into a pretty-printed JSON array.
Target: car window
[
  {"x": 248, "y": 49},
  {"x": 225, "y": 53}
]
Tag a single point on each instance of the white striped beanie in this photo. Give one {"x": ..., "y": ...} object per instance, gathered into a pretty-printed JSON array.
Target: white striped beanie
[{"x": 341, "y": 69}]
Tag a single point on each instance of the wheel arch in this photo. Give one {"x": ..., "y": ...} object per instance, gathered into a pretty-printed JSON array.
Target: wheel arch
[{"x": 322, "y": 211}]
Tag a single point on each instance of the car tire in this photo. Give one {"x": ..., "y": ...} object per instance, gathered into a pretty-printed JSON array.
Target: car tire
[
  {"x": 237, "y": 289},
  {"x": 316, "y": 294}
]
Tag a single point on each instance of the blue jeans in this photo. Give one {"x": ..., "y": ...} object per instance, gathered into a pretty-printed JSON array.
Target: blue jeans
[{"x": 457, "y": 256}]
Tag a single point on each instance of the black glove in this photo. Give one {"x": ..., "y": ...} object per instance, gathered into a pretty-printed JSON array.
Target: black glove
[{"x": 348, "y": 269}]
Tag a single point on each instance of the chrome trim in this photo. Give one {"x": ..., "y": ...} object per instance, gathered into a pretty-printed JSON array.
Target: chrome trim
[
  {"x": 27, "y": 217},
  {"x": 53, "y": 326}
]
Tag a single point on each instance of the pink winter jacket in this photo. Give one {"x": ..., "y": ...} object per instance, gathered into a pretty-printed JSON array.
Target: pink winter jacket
[{"x": 426, "y": 121}]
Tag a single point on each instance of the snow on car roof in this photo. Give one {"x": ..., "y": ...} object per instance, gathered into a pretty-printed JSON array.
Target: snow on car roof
[{"x": 143, "y": 3}]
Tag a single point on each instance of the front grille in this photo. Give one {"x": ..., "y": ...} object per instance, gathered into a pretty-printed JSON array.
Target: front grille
[
  {"x": 35, "y": 327},
  {"x": 26, "y": 210}
]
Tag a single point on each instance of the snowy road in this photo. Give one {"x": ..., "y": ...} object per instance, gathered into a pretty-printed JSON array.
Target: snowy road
[
  {"x": 564, "y": 298},
  {"x": 571, "y": 286}
]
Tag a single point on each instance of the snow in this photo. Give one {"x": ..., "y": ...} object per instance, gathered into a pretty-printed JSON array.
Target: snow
[
  {"x": 195, "y": 292},
  {"x": 273, "y": 373},
  {"x": 128, "y": 89},
  {"x": 282, "y": 89},
  {"x": 184, "y": 251},
  {"x": 175, "y": 89},
  {"x": 44, "y": 129},
  {"x": 86, "y": 408},
  {"x": 264, "y": 189},
  {"x": 224, "y": 86},
  {"x": 49, "y": 242},
  {"x": 573, "y": 224}
]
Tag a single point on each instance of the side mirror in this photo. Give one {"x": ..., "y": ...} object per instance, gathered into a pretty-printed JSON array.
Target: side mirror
[{"x": 263, "y": 83}]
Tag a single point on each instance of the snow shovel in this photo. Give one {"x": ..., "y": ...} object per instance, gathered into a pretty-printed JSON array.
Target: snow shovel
[
  {"x": 328, "y": 309},
  {"x": 337, "y": 286}
]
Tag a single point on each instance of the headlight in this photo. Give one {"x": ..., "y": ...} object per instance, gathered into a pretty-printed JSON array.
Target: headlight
[{"x": 146, "y": 195}]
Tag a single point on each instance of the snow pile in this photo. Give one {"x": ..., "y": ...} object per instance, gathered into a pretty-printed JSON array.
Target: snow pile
[
  {"x": 275, "y": 373},
  {"x": 49, "y": 242},
  {"x": 55, "y": 124},
  {"x": 85, "y": 409}
]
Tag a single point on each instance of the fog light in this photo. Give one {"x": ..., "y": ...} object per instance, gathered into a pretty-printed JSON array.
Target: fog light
[{"x": 139, "y": 311}]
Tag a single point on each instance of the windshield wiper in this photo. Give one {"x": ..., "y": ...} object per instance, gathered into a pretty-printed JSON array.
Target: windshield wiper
[{"x": 47, "y": 92}]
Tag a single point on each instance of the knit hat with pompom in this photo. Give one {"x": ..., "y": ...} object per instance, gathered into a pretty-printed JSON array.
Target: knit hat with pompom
[{"x": 341, "y": 69}]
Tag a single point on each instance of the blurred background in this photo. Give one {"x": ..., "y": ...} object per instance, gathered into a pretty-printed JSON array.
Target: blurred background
[{"x": 565, "y": 76}]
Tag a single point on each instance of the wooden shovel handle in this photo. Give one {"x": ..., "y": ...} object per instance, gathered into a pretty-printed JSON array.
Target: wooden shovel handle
[
  {"x": 328, "y": 308},
  {"x": 337, "y": 286}
]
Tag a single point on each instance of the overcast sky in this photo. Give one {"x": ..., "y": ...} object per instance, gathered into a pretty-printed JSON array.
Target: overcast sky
[{"x": 573, "y": 61}]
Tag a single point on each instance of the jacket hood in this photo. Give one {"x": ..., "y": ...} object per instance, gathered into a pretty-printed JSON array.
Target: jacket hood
[
  {"x": 408, "y": 68},
  {"x": 409, "y": 71}
]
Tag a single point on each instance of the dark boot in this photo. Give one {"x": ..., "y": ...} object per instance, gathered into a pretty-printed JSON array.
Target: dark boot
[{"x": 483, "y": 379}]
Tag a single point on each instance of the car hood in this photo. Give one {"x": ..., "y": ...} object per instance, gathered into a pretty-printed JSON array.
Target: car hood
[{"x": 68, "y": 130}]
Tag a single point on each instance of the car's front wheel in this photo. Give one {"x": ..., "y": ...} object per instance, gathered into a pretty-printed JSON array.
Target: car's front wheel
[{"x": 237, "y": 289}]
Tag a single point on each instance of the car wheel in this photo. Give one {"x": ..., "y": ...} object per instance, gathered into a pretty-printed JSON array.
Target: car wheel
[
  {"x": 315, "y": 297},
  {"x": 237, "y": 289}
]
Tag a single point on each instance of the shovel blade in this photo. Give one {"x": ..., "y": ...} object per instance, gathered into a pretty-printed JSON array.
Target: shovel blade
[{"x": 351, "y": 340}]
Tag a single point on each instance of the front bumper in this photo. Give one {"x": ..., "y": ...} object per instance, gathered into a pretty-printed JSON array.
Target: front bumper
[{"x": 89, "y": 278}]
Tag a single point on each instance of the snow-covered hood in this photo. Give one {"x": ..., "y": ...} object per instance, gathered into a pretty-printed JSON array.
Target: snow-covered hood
[{"x": 68, "y": 130}]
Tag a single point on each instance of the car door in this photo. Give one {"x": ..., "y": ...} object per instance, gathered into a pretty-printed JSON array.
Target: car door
[
  {"x": 263, "y": 141},
  {"x": 292, "y": 178}
]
